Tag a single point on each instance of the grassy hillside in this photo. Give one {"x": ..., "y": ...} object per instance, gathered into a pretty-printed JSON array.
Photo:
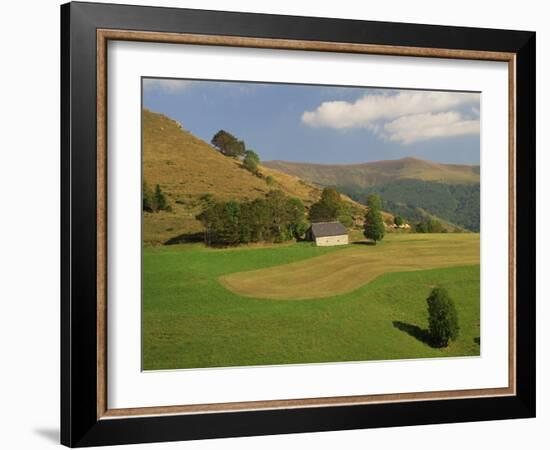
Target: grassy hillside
[
  {"x": 191, "y": 320},
  {"x": 378, "y": 172},
  {"x": 191, "y": 173}
]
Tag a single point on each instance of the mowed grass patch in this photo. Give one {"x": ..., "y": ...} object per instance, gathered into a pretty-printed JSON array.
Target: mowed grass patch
[
  {"x": 349, "y": 269},
  {"x": 190, "y": 320}
]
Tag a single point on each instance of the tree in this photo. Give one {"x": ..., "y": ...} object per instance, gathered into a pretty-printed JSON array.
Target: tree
[
  {"x": 228, "y": 144},
  {"x": 296, "y": 216},
  {"x": 374, "y": 224},
  {"x": 251, "y": 161},
  {"x": 398, "y": 220},
  {"x": 328, "y": 208},
  {"x": 159, "y": 200},
  {"x": 346, "y": 220},
  {"x": 278, "y": 216},
  {"x": 222, "y": 223},
  {"x": 147, "y": 197},
  {"x": 442, "y": 317},
  {"x": 331, "y": 197},
  {"x": 435, "y": 226},
  {"x": 320, "y": 212}
]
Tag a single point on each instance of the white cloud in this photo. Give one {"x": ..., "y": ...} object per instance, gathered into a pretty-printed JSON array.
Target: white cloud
[
  {"x": 165, "y": 85},
  {"x": 427, "y": 114},
  {"x": 421, "y": 127}
]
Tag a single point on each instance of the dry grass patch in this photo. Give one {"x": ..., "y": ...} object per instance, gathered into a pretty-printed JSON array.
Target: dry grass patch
[{"x": 355, "y": 265}]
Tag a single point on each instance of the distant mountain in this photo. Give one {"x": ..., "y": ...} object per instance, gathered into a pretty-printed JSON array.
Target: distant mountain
[
  {"x": 418, "y": 200},
  {"x": 413, "y": 188},
  {"x": 191, "y": 173},
  {"x": 378, "y": 172}
]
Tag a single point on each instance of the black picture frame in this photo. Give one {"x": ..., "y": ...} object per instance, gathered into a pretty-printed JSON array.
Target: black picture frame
[{"x": 80, "y": 425}]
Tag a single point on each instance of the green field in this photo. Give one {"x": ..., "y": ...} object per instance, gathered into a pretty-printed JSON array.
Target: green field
[{"x": 263, "y": 305}]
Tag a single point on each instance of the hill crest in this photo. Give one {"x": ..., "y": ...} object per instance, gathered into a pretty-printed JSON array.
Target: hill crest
[{"x": 378, "y": 172}]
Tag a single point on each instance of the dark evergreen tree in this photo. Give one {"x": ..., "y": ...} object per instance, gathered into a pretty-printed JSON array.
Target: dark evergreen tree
[
  {"x": 443, "y": 318},
  {"x": 374, "y": 224},
  {"x": 159, "y": 200},
  {"x": 147, "y": 198}
]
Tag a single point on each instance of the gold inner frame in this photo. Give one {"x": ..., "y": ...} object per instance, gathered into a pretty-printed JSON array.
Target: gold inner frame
[{"x": 104, "y": 35}]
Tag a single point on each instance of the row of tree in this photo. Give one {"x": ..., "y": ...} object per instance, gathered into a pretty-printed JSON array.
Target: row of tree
[{"x": 275, "y": 218}]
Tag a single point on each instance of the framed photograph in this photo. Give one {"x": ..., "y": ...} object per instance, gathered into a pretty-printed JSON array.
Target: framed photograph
[{"x": 276, "y": 224}]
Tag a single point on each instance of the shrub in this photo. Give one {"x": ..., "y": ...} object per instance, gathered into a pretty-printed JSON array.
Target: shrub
[
  {"x": 430, "y": 226},
  {"x": 206, "y": 197},
  {"x": 443, "y": 318},
  {"x": 251, "y": 161}
]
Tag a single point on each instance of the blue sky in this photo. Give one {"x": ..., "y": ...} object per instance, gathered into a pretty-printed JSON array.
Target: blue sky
[{"x": 323, "y": 124}]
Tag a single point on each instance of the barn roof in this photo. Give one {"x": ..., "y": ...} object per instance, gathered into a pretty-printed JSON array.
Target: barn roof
[{"x": 323, "y": 229}]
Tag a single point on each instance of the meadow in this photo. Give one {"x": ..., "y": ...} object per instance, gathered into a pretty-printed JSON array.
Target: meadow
[{"x": 297, "y": 303}]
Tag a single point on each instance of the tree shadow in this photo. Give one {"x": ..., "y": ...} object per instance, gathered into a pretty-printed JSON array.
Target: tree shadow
[
  {"x": 186, "y": 238},
  {"x": 415, "y": 331},
  {"x": 477, "y": 341},
  {"x": 363, "y": 243}
]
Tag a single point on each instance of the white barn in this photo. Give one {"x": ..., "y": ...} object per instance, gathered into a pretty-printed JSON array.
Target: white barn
[{"x": 328, "y": 233}]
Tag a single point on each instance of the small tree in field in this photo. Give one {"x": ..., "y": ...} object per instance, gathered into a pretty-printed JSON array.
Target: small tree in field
[
  {"x": 398, "y": 220},
  {"x": 374, "y": 224},
  {"x": 443, "y": 318}
]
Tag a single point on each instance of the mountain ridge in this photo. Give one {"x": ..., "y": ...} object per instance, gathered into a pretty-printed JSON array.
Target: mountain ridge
[{"x": 372, "y": 173}]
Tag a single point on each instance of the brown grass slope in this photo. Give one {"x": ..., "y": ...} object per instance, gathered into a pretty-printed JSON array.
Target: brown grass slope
[
  {"x": 187, "y": 169},
  {"x": 378, "y": 172}
]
